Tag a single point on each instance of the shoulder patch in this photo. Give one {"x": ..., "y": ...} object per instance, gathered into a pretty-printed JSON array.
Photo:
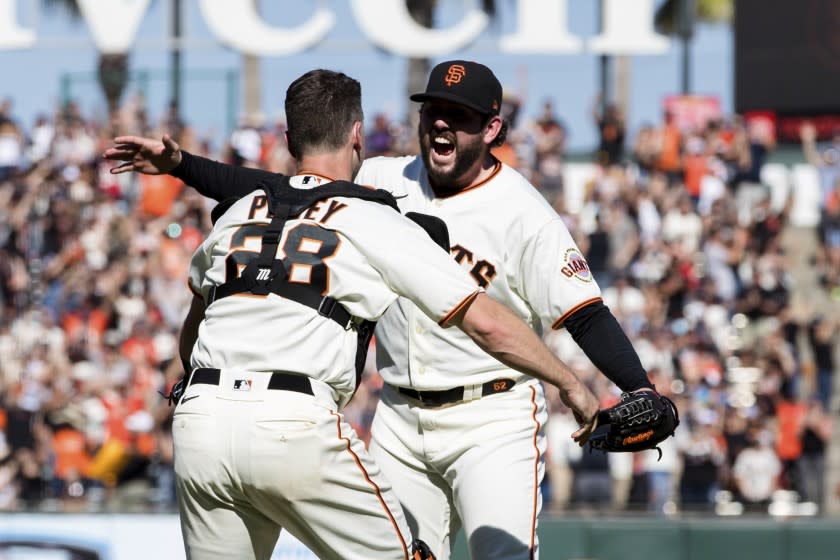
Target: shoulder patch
[{"x": 575, "y": 266}]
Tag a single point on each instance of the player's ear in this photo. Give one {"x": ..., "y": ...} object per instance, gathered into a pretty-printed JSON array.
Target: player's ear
[
  {"x": 492, "y": 128},
  {"x": 289, "y": 144},
  {"x": 358, "y": 136}
]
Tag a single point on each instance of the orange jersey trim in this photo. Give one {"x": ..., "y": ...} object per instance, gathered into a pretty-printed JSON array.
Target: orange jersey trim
[
  {"x": 559, "y": 322},
  {"x": 447, "y": 194},
  {"x": 370, "y": 481},
  {"x": 537, "y": 426},
  {"x": 464, "y": 302}
]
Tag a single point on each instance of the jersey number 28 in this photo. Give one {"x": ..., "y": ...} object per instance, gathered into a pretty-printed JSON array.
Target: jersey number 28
[{"x": 305, "y": 251}]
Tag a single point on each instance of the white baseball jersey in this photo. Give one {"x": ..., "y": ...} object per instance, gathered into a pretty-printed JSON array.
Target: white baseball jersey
[
  {"x": 513, "y": 244},
  {"x": 359, "y": 252}
]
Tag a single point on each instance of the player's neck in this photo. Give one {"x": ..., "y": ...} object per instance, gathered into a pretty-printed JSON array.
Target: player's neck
[
  {"x": 488, "y": 167},
  {"x": 472, "y": 177},
  {"x": 333, "y": 165}
]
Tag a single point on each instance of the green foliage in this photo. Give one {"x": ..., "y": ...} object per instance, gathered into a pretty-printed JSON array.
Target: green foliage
[{"x": 710, "y": 11}]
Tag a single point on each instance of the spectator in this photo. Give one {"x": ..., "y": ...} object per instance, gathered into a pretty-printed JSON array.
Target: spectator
[
  {"x": 592, "y": 482},
  {"x": 623, "y": 234},
  {"x": 790, "y": 418},
  {"x": 669, "y": 146},
  {"x": 702, "y": 456},
  {"x": 756, "y": 470},
  {"x": 661, "y": 477},
  {"x": 379, "y": 141},
  {"x": 562, "y": 454},
  {"x": 646, "y": 151},
  {"x": 822, "y": 337},
  {"x": 246, "y": 142},
  {"x": 682, "y": 227},
  {"x": 829, "y": 237},
  {"x": 815, "y": 435},
  {"x": 41, "y": 138},
  {"x": 827, "y": 162},
  {"x": 11, "y": 144},
  {"x": 550, "y": 146},
  {"x": 611, "y": 131}
]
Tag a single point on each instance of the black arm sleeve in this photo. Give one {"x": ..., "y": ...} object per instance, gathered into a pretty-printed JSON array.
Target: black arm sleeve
[
  {"x": 216, "y": 180},
  {"x": 595, "y": 329}
]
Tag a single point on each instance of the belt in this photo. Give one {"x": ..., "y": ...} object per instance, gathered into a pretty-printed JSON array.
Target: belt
[
  {"x": 458, "y": 394},
  {"x": 280, "y": 381}
]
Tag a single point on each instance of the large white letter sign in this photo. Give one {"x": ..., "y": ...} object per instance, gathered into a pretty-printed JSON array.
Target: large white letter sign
[
  {"x": 628, "y": 29},
  {"x": 541, "y": 28},
  {"x": 388, "y": 25},
  {"x": 12, "y": 36},
  {"x": 113, "y": 23},
  {"x": 237, "y": 24}
]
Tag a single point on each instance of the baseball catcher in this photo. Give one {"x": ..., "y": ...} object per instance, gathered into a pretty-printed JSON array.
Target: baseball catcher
[{"x": 641, "y": 420}]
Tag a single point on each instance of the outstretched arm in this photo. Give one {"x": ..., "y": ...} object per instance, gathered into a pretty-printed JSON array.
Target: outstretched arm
[
  {"x": 157, "y": 157},
  {"x": 505, "y": 337}
]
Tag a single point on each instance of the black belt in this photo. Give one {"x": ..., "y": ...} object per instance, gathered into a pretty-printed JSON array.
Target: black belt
[
  {"x": 280, "y": 380},
  {"x": 456, "y": 394}
]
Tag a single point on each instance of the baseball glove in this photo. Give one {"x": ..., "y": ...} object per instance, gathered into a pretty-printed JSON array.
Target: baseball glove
[{"x": 641, "y": 420}]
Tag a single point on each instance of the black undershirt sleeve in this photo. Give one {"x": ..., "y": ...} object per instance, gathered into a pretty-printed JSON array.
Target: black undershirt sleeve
[
  {"x": 597, "y": 332},
  {"x": 216, "y": 180}
]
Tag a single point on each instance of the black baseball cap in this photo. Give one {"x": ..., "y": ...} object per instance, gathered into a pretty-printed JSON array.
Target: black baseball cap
[{"x": 466, "y": 83}]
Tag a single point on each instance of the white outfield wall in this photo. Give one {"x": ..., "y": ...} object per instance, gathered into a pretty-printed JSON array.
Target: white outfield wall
[{"x": 108, "y": 537}]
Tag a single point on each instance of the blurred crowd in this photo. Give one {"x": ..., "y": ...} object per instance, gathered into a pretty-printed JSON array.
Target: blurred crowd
[{"x": 732, "y": 306}]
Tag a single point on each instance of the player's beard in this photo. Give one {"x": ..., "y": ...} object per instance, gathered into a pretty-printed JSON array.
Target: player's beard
[{"x": 466, "y": 156}]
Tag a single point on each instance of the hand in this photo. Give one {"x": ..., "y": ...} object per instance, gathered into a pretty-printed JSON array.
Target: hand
[
  {"x": 144, "y": 155},
  {"x": 584, "y": 406}
]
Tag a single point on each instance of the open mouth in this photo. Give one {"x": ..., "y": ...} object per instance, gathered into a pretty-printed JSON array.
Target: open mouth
[{"x": 442, "y": 146}]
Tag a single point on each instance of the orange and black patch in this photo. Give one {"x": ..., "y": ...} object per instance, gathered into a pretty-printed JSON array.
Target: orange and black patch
[
  {"x": 455, "y": 74},
  {"x": 638, "y": 438},
  {"x": 576, "y": 266}
]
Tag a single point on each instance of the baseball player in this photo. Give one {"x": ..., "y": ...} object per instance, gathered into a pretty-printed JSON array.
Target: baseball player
[
  {"x": 487, "y": 478},
  {"x": 459, "y": 433},
  {"x": 284, "y": 285}
]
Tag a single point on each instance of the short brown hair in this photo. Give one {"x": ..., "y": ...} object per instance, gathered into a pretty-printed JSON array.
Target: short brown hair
[{"x": 321, "y": 108}]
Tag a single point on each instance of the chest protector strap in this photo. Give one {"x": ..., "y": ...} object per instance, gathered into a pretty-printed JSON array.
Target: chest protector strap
[{"x": 267, "y": 274}]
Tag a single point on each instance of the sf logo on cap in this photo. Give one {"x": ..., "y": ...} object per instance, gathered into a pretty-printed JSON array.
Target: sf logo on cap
[{"x": 454, "y": 74}]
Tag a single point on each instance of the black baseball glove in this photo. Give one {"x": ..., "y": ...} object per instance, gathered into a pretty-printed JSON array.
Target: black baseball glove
[{"x": 641, "y": 420}]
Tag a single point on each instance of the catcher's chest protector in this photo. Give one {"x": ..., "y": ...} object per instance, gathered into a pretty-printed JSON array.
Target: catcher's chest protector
[{"x": 267, "y": 274}]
